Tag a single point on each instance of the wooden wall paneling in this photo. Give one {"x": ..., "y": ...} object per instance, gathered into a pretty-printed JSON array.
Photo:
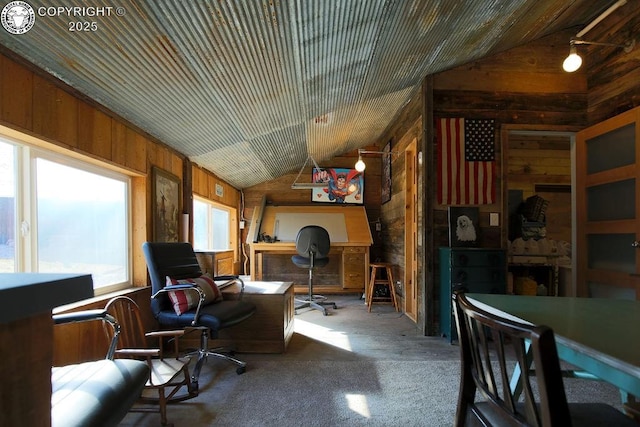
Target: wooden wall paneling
[
  {"x": 278, "y": 191},
  {"x": 613, "y": 74},
  {"x": 94, "y": 131},
  {"x": 55, "y": 113},
  {"x": 118, "y": 143},
  {"x": 136, "y": 151},
  {"x": 16, "y": 102},
  {"x": 141, "y": 229},
  {"x": 428, "y": 309},
  {"x": 44, "y": 110},
  {"x": 187, "y": 200}
]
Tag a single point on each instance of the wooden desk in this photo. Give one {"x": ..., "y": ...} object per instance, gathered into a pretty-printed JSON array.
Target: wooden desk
[
  {"x": 348, "y": 268},
  {"x": 594, "y": 334}
]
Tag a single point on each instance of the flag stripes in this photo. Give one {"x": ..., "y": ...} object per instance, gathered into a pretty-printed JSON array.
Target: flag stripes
[{"x": 464, "y": 182}]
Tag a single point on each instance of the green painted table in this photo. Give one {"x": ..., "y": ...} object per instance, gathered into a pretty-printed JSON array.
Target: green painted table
[{"x": 600, "y": 336}]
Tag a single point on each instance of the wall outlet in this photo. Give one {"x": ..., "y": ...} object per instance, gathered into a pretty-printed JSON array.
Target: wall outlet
[{"x": 494, "y": 219}]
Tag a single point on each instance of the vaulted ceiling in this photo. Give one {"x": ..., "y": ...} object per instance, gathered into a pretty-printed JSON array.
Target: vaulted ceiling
[{"x": 249, "y": 89}]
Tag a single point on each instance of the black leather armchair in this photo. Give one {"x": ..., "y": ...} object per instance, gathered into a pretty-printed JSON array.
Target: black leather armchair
[
  {"x": 178, "y": 261},
  {"x": 95, "y": 393}
]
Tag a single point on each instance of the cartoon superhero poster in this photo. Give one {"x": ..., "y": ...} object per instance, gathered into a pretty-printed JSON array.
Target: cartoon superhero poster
[{"x": 342, "y": 186}]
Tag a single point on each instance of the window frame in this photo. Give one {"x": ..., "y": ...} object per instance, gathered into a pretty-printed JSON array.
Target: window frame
[
  {"x": 232, "y": 226},
  {"x": 26, "y": 248}
]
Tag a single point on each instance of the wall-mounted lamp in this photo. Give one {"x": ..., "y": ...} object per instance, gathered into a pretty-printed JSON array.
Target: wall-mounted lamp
[
  {"x": 360, "y": 166},
  {"x": 307, "y": 185},
  {"x": 574, "y": 61}
]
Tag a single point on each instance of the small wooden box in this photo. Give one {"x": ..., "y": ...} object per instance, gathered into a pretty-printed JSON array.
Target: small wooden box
[{"x": 270, "y": 329}]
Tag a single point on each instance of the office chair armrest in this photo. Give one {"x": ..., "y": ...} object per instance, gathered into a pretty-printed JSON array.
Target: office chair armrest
[
  {"x": 81, "y": 316},
  {"x": 88, "y": 315}
]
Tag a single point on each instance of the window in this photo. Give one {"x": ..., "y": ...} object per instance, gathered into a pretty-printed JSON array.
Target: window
[
  {"x": 73, "y": 218},
  {"x": 212, "y": 225},
  {"x": 7, "y": 208}
]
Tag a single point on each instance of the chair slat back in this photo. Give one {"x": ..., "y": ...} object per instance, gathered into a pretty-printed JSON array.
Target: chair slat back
[
  {"x": 127, "y": 312},
  {"x": 493, "y": 348}
]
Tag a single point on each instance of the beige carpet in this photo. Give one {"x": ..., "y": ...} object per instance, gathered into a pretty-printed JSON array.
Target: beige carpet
[{"x": 351, "y": 368}]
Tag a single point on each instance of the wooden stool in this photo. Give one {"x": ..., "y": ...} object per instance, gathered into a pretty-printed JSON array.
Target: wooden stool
[{"x": 375, "y": 266}]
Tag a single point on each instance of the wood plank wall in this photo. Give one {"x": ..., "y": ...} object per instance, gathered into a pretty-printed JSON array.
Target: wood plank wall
[
  {"x": 47, "y": 113},
  {"x": 613, "y": 75},
  {"x": 523, "y": 86},
  {"x": 279, "y": 192},
  {"x": 541, "y": 164},
  {"x": 57, "y": 118}
]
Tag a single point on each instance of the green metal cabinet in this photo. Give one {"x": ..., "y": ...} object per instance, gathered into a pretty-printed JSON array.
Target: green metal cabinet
[{"x": 476, "y": 270}]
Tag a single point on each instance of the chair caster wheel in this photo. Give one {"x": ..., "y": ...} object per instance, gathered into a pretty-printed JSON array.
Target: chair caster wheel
[
  {"x": 194, "y": 387},
  {"x": 241, "y": 370}
]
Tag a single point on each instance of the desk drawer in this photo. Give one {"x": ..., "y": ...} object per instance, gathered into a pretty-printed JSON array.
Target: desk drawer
[{"x": 353, "y": 268}]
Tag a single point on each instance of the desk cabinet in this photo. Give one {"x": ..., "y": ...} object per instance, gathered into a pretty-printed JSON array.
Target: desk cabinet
[
  {"x": 216, "y": 263},
  {"x": 476, "y": 270},
  {"x": 354, "y": 267}
]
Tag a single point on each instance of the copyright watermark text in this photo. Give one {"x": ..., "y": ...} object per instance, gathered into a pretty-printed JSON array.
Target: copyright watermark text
[
  {"x": 18, "y": 17},
  {"x": 80, "y": 12}
]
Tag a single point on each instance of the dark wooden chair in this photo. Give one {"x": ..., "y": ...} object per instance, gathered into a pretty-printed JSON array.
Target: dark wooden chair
[
  {"x": 168, "y": 379},
  {"x": 491, "y": 348}
]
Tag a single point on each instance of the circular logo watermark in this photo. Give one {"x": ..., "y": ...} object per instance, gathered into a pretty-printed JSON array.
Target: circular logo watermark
[{"x": 18, "y": 17}]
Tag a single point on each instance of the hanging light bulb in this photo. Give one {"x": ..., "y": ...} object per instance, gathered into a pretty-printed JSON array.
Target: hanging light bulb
[
  {"x": 573, "y": 61},
  {"x": 360, "y": 166}
]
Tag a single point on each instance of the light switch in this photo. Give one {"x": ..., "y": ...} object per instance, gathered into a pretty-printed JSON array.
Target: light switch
[{"x": 494, "y": 219}]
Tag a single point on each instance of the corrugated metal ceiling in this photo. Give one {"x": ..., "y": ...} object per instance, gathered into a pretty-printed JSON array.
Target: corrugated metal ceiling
[{"x": 248, "y": 89}]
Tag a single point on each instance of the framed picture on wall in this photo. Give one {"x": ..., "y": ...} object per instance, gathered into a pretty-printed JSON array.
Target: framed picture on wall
[
  {"x": 385, "y": 177},
  {"x": 464, "y": 230},
  {"x": 342, "y": 185},
  {"x": 166, "y": 206}
]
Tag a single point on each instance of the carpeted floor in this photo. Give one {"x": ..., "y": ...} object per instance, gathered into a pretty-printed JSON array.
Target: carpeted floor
[{"x": 350, "y": 368}]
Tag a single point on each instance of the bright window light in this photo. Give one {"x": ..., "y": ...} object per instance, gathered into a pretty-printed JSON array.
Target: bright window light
[
  {"x": 358, "y": 404},
  {"x": 319, "y": 333},
  {"x": 82, "y": 223}
]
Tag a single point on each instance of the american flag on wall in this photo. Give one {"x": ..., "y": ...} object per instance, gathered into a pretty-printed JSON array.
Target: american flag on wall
[{"x": 466, "y": 161}]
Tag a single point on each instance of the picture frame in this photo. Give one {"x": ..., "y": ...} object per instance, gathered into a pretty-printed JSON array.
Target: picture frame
[
  {"x": 342, "y": 186},
  {"x": 464, "y": 226},
  {"x": 385, "y": 178},
  {"x": 166, "y": 196}
]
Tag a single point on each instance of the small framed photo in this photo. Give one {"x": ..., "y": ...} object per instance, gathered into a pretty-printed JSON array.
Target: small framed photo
[
  {"x": 166, "y": 206},
  {"x": 342, "y": 185},
  {"x": 464, "y": 229}
]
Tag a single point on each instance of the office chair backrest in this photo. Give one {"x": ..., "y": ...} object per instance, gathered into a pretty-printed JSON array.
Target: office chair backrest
[
  {"x": 313, "y": 239},
  {"x": 176, "y": 260},
  {"x": 491, "y": 347}
]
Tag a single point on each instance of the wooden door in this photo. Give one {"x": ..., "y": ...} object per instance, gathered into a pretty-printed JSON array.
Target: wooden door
[
  {"x": 411, "y": 232},
  {"x": 608, "y": 206}
]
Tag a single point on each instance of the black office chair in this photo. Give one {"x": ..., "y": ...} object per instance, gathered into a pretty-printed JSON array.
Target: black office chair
[
  {"x": 178, "y": 261},
  {"x": 312, "y": 245},
  {"x": 491, "y": 347}
]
